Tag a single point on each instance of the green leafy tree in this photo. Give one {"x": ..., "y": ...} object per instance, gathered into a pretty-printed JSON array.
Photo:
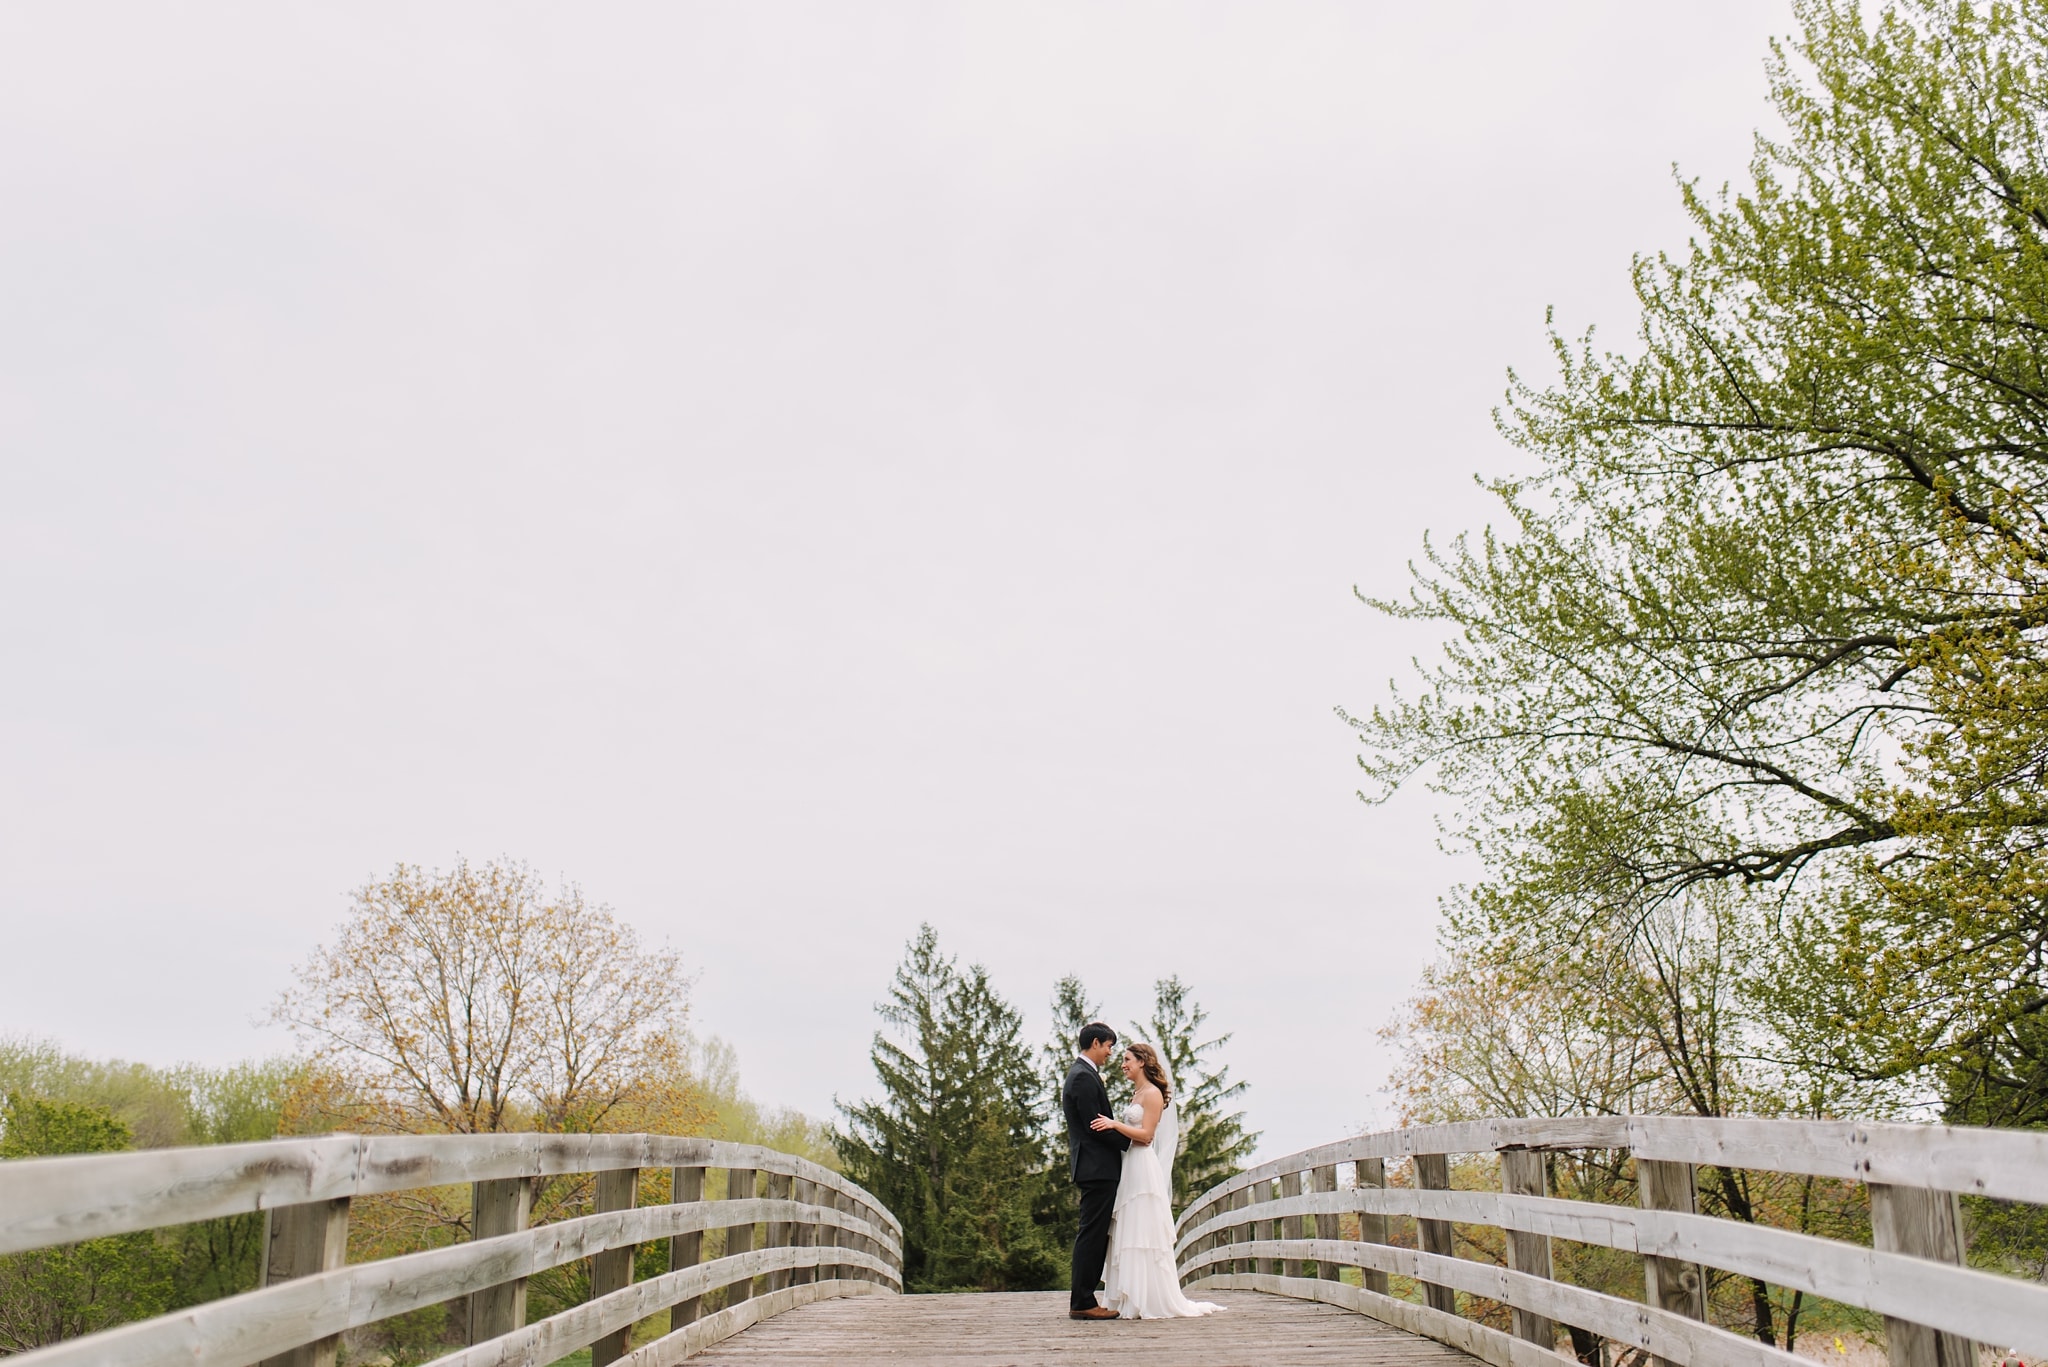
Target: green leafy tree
[
  {"x": 51, "y": 1294},
  {"x": 1213, "y": 1140},
  {"x": 1745, "y": 711},
  {"x": 238, "y": 1105},
  {"x": 955, "y": 1146},
  {"x": 1769, "y": 623}
]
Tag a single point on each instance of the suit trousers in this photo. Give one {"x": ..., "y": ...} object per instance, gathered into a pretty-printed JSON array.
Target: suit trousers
[{"x": 1091, "y": 1245}]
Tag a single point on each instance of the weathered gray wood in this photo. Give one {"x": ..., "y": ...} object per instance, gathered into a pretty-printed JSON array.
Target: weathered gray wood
[
  {"x": 1983, "y": 1306},
  {"x": 612, "y": 1270},
  {"x": 1265, "y": 1229},
  {"x": 779, "y": 1231},
  {"x": 1670, "y": 1283},
  {"x": 1433, "y": 1173},
  {"x": 1245, "y": 1230},
  {"x": 801, "y": 1234},
  {"x": 1668, "y": 1336},
  {"x": 735, "y": 1319},
  {"x": 545, "y": 1341},
  {"x": 1487, "y": 1344},
  {"x": 1923, "y": 1224},
  {"x": 1031, "y": 1329},
  {"x": 1372, "y": 1226},
  {"x": 1290, "y": 1227},
  {"x": 1326, "y": 1226},
  {"x": 2009, "y": 1164},
  {"x": 499, "y": 1207},
  {"x": 46, "y": 1201},
  {"x": 302, "y": 1242},
  {"x": 686, "y": 1186},
  {"x": 739, "y": 1185},
  {"x": 1522, "y": 1173},
  {"x": 259, "y": 1324},
  {"x": 826, "y": 1238}
]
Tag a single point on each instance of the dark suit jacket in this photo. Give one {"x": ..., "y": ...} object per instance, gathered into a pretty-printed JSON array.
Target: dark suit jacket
[{"x": 1092, "y": 1156}]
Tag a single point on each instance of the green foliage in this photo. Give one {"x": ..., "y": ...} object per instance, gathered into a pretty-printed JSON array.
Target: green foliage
[
  {"x": 52, "y": 1294},
  {"x": 154, "y": 1107},
  {"x": 1749, "y": 706},
  {"x": 955, "y": 1147},
  {"x": 736, "y": 1116}
]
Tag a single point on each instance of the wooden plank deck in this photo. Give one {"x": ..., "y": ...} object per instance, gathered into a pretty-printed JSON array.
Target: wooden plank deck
[{"x": 1031, "y": 1329}]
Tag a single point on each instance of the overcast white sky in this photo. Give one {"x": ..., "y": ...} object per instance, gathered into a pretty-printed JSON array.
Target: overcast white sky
[{"x": 797, "y": 470}]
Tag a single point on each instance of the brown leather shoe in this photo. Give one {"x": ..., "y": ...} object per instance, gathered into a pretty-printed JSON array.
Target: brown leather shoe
[{"x": 1100, "y": 1312}]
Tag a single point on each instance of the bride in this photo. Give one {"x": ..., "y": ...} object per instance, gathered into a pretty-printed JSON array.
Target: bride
[{"x": 1140, "y": 1281}]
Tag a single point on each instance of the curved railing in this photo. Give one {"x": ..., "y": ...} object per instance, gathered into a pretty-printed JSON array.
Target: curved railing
[
  {"x": 824, "y": 1237},
  {"x": 1276, "y": 1229}
]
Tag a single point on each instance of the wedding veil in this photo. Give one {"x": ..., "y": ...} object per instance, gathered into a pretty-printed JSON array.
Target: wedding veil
[{"x": 1166, "y": 1139}]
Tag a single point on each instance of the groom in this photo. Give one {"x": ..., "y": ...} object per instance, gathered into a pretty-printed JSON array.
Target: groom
[{"x": 1095, "y": 1158}]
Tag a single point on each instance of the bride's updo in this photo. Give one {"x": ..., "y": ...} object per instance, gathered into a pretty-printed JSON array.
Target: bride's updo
[{"x": 1148, "y": 1064}]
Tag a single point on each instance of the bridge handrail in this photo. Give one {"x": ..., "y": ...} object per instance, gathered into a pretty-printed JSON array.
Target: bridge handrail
[
  {"x": 91, "y": 1196},
  {"x": 826, "y": 1237},
  {"x": 1248, "y": 1232},
  {"x": 2011, "y": 1165}
]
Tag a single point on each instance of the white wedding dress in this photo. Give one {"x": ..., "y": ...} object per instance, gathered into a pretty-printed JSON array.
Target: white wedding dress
[{"x": 1139, "y": 1281}]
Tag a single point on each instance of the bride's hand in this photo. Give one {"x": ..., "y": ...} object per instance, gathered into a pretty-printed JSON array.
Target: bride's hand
[{"x": 1102, "y": 1122}]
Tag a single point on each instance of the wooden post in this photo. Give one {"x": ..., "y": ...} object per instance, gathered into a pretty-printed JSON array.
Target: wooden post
[
  {"x": 1235, "y": 1202},
  {"x": 1372, "y": 1225},
  {"x": 779, "y": 1186},
  {"x": 1290, "y": 1225},
  {"x": 1523, "y": 1173},
  {"x": 685, "y": 1250},
  {"x": 1242, "y": 1200},
  {"x": 739, "y": 1186},
  {"x": 297, "y": 1242},
  {"x": 1328, "y": 1226},
  {"x": 1922, "y": 1224},
  {"x": 803, "y": 1234},
  {"x": 500, "y": 1206},
  {"x": 612, "y": 1270},
  {"x": 1671, "y": 1283},
  {"x": 1262, "y": 1192},
  {"x": 1433, "y": 1173},
  {"x": 827, "y": 1235}
]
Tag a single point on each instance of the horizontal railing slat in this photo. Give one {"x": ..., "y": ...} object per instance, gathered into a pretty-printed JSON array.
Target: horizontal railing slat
[
  {"x": 663, "y": 1352},
  {"x": 2011, "y": 1165},
  {"x": 1489, "y": 1345},
  {"x": 1672, "y": 1337},
  {"x": 2008, "y": 1164},
  {"x": 1943, "y": 1296},
  {"x": 45, "y": 1201},
  {"x": 548, "y": 1340},
  {"x": 262, "y": 1323}
]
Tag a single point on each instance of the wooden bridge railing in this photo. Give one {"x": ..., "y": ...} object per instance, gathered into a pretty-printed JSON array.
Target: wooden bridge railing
[
  {"x": 825, "y": 1237},
  {"x": 1259, "y": 1230}
]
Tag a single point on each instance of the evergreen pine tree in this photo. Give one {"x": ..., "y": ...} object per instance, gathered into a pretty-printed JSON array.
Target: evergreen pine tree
[
  {"x": 1213, "y": 1141},
  {"x": 955, "y": 1147},
  {"x": 991, "y": 1238}
]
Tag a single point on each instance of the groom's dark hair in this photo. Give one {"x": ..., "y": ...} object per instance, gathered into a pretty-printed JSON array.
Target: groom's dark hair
[{"x": 1093, "y": 1033}]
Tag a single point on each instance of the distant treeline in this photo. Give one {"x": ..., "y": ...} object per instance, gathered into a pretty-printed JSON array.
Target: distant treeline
[{"x": 470, "y": 1001}]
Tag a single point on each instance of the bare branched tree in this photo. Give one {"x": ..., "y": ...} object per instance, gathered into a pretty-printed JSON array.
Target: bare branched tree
[{"x": 477, "y": 1001}]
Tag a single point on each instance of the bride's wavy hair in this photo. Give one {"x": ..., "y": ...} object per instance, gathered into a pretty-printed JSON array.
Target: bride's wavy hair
[{"x": 1148, "y": 1064}]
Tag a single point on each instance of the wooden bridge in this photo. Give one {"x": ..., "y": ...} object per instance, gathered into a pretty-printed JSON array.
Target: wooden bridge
[{"x": 806, "y": 1267}]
